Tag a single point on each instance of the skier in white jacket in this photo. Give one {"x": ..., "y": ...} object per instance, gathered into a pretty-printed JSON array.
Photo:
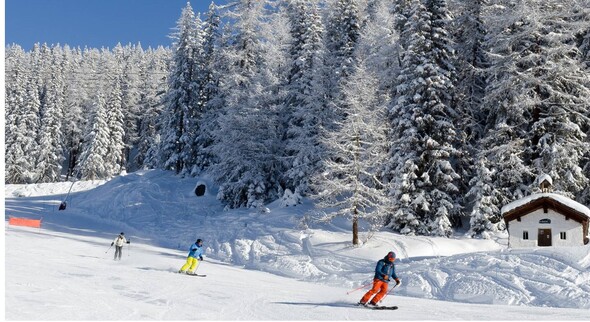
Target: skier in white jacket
[{"x": 119, "y": 242}]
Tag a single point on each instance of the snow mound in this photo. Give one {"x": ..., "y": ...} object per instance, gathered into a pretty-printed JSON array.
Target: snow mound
[{"x": 547, "y": 277}]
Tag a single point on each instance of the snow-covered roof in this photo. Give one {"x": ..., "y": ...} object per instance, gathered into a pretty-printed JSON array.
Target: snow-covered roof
[{"x": 559, "y": 198}]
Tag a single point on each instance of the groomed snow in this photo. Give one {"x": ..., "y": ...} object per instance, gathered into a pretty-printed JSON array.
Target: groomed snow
[{"x": 269, "y": 265}]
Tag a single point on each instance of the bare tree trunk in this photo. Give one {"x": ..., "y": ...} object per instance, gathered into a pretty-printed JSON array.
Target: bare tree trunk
[{"x": 355, "y": 228}]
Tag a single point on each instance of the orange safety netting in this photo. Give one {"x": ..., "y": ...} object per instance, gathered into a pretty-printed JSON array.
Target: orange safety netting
[{"x": 15, "y": 221}]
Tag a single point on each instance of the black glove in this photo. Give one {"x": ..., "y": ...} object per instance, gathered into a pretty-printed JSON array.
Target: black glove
[
  {"x": 201, "y": 258},
  {"x": 112, "y": 243},
  {"x": 397, "y": 282},
  {"x": 129, "y": 241}
]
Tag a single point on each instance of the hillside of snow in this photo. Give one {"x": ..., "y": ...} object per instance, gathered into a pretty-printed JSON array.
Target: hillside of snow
[{"x": 162, "y": 215}]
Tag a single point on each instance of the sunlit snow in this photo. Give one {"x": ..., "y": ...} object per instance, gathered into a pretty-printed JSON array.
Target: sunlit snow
[{"x": 276, "y": 264}]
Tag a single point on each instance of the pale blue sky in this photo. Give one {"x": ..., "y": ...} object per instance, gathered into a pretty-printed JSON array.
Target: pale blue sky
[{"x": 95, "y": 23}]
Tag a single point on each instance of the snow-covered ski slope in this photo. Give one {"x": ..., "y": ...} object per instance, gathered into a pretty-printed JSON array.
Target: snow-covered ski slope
[
  {"x": 64, "y": 274},
  {"x": 61, "y": 271}
]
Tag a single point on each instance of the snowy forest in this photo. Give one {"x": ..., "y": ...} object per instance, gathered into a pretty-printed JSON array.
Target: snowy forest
[{"x": 422, "y": 116}]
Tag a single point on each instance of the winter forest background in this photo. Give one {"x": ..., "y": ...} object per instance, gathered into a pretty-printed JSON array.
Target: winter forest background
[{"x": 423, "y": 116}]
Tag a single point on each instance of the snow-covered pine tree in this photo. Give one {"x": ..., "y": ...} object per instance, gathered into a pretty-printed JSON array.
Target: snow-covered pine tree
[
  {"x": 423, "y": 180},
  {"x": 129, "y": 58},
  {"x": 154, "y": 73},
  {"x": 582, "y": 31},
  {"x": 341, "y": 36},
  {"x": 402, "y": 11},
  {"x": 501, "y": 147},
  {"x": 115, "y": 120},
  {"x": 585, "y": 58},
  {"x": 76, "y": 105},
  {"x": 469, "y": 33},
  {"x": 92, "y": 165},
  {"x": 379, "y": 44},
  {"x": 246, "y": 143},
  {"x": 485, "y": 212},
  {"x": 212, "y": 66},
  {"x": 560, "y": 88},
  {"x": 194, "y": 109},
  {"x": 51, "y": 152},
  {"x": 21, "y": 118},
  {"x": 181, "y": 96},
  {"x": 88, "y": 78},
  {"x": 304, "y": 113},
  {"x": 536, "y": 95},
  {"x": 41, "y": 60}
]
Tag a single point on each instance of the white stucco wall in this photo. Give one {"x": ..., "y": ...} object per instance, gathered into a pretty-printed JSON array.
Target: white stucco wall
[{"x": 530, "y": 223}]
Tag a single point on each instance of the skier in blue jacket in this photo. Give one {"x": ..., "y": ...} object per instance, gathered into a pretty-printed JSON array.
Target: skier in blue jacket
[
  {"x": 195, "y": 251},
  {"x": 384, "y": 270}
]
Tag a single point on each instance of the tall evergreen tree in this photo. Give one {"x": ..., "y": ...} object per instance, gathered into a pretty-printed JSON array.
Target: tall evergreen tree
[
  {"x": 195, "y": 108},
  {"x": 470, "y": 34},
  {"x": 342, "y": 36},
  {"x": 115, "y": 157},
  {"x": 423, "y": 180},
  {"x": 154, "y": 73},
  {"x": 305, "y": 112},
  {"x": 51, "y": 153},
  {"x": 246, "y": 144},
  {"x": 485, "y": 212},
  {"x": 181, "y": 96},
  {"x": 76, "y": 104},
  {"x": 559, "y": 88},
  {"x": 92, "y": 165},
  {"x": 212, "y": 66},
  {"x": 129, "y": 58},
  {"x": 379, "y": 43},
  {"x": 537, "y": 84},
  {"x": 21, "y": 118}
]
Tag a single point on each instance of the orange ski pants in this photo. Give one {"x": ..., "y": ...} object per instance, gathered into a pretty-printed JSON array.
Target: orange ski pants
[{"x": 379, "y": 287}]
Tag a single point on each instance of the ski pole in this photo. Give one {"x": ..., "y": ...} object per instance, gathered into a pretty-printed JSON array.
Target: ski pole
[
  {"x": 387, "y": 293},
  {"x": 108, "y": 249},
  {"x": 356, "y": 289}
]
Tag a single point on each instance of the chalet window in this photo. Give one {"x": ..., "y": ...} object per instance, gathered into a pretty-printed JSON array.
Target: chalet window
[
  {"x": 525, "y": 235},
  {"x": 562, "y": 235},
  {"x": 567, "y": 218},
  {"x": 518, "y": 219}
]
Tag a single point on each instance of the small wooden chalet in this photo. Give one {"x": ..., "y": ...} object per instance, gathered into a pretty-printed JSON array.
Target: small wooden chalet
[{"x": 546, "y": 219}]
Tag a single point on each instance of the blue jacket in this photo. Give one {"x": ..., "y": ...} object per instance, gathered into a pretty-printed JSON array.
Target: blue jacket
[
  {"x": 196, "y": 251},
  {"x": 385, "y": 267}
]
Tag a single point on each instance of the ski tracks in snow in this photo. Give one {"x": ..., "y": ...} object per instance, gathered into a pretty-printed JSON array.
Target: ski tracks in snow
[{"x": 539, "y": 279}]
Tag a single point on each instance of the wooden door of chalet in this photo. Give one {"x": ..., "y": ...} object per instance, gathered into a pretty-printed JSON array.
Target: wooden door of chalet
[{"x": 544, "y": 238}]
